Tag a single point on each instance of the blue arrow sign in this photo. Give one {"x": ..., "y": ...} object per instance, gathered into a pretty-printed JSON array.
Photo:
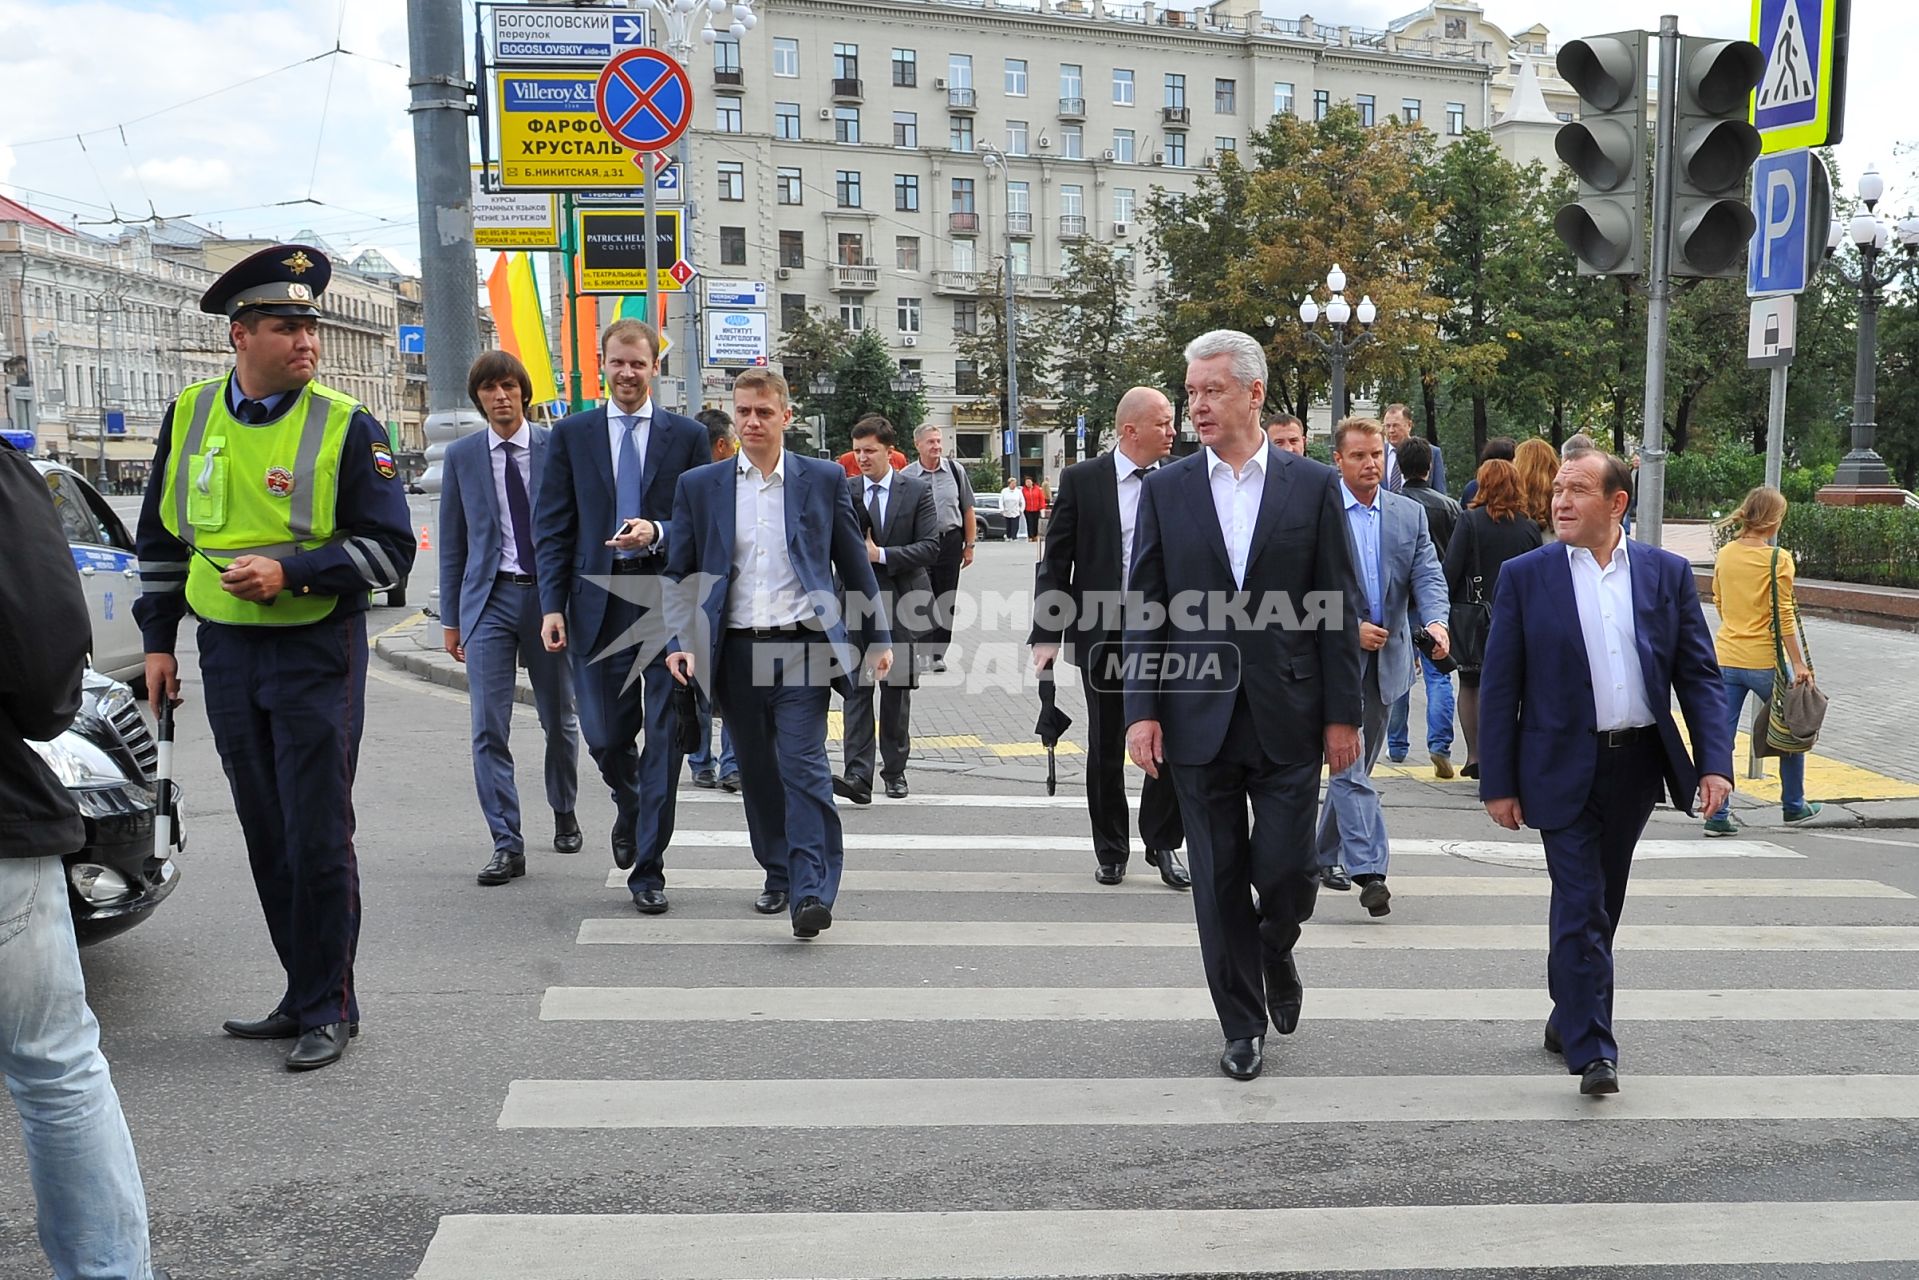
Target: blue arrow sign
[
  {"x": 1791, "y": 203},
  {"x": 412, "y": 339},
  {"x": 628, "y": 31}
]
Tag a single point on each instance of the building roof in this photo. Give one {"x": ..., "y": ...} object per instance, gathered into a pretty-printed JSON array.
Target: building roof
[
  {"x": 1528, "y": 105},
  {"x": 14, "y": 211}
]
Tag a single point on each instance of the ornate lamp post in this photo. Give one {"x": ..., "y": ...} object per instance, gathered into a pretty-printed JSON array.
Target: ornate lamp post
[
  {"x": 1862, "y": 469},
  {"x": 1338, "y": 348}
]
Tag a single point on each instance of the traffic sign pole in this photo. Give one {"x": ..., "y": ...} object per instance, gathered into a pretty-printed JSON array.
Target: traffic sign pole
[
  {"x": 1776, "y": 425},
  {"x": 1650, "y": 526}
]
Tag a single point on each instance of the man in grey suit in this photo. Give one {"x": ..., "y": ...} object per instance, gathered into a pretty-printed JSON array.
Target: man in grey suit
[
  {"x": 901, "y": 524},
  {"x": 488, "y": 594},
  {"x": 1399, "y": 574}
]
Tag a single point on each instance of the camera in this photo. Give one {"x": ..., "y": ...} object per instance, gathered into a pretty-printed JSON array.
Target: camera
[{"x": 1423, "y": 640}]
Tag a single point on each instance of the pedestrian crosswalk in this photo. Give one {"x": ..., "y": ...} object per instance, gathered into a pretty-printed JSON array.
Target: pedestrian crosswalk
[{"x": 992, "y": 1067}]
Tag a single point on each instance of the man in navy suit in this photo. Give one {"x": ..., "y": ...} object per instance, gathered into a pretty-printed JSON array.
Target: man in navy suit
[
  {"x": 752, "y": 602},
  {"x": 487, "y": 594},
  {"x": 602, "y": 529},
  {"x": 1592, "y": 638},
  {"x": 1242, "y": 673}
]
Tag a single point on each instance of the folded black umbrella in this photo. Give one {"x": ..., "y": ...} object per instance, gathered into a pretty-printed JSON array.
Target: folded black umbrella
[
  {"x": 1053, "y": 724},
  {"x": 685, "y": 704}
]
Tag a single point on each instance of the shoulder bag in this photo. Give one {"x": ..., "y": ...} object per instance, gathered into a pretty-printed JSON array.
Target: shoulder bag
[
  {"x": 1470, "y": 619},
  {"x": 1797, "y": 710}
]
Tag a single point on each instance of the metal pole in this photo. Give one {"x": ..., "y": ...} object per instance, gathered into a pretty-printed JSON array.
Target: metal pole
[
  {"x": 650, "y": 248},
  {"x": 1776, "y": 426},
  {"x": 569, "y": 263},
  {"x": 1652, "y": 472},
  {"x": 1011, "y": 426},
  {"x": 100, "y": 386},
  {"x": 691, "y": 357},
  {"x": 1863, "y": 466},
  {"x": 1336, "y": 356}
]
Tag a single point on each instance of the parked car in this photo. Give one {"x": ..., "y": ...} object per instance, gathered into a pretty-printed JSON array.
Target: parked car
[
  {"x": 109, "y": 571},
  {"x": 107, "y": 761}
]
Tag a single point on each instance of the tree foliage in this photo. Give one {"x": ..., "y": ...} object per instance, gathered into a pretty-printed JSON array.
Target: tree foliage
[{"x": 861, "y": 373}]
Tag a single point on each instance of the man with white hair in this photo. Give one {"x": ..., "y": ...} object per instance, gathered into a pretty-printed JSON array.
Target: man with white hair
[{"x": 1243, "y": 698}]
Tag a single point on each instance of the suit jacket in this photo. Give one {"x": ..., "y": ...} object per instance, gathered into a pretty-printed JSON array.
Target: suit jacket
[
  {"x": 574, "y": 514},
  {"x": 1414, "y": 582},
  {"x": 1080, "y": 561},
  {"x": 823, "y": 536},
  {"x": 911, "y": 536},
  {"x": 1298, "y": 678},
  {"x": 471, "y": 527},
  {"x": 1538, "y": 730}
]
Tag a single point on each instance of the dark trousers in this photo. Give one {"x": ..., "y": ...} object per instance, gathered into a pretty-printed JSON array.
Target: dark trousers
[
  {"x": 287, "y": 705},
  {"x": 945, "y": 575},
  {"x": 1159, "y": 823},
  {"x": 614, "y": 712},
  {"x": 778, "y": 718},
  {"x": 1229, "y": 861},
  {"x": 895, "y": 730},
  {"x": 1589, "y": 862}
]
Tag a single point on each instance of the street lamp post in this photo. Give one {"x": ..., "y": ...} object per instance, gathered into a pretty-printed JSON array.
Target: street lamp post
[
  {"x": 824, "y": 385},
  {"x": 1010, "y": 428},
  {"x": 1862, "y": 468},
  {"x": 1338, "y": 348}
]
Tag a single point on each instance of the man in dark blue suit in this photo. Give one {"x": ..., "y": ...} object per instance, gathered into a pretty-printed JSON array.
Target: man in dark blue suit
[
  {"x": 602, "y": 528},
  {"x": 1242, "y": 673},
  {"x": 752, "y": 602},
  {"x": 1592, "y": 638}
]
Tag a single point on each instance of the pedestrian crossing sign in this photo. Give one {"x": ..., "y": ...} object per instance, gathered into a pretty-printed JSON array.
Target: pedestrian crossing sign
[{"x": 1800, "y": 101}]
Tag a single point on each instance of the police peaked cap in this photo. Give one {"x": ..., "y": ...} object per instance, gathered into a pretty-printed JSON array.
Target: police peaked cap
[{"x": 286, "y": 280}]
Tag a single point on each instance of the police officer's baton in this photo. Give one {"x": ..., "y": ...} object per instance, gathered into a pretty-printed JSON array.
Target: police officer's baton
[{"x": 163, "y": 809}]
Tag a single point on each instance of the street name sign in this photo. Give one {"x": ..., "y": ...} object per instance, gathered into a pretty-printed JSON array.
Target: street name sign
[
  {"x": 513, "y": 220},
  {"x": 1792, "y": 209},
  {"x": 546, "y": 35},
  {"x": 736, "y": 293},
  {"x": 1772, "y": 332},
  {"x": 613, "y": 256},
  {"x": 666, "y": 173},
  {"x": 1801, "y": 99}
]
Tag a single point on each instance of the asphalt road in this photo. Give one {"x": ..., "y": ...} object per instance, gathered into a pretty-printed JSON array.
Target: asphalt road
[{"x": 1412, "y": 1127}]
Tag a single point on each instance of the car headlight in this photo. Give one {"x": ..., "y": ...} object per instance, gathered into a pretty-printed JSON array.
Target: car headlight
[{"x": 78, "y": 763}]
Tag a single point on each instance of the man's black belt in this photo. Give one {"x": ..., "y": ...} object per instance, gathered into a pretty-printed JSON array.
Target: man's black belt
[
  {"x": 1625, "y": 737},
  {"x": 636, "y": 564},
  {"x": 513, "y": 579},
  {"x": 792, "y": 631}
]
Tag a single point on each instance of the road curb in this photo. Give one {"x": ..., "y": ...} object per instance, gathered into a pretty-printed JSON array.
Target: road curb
[{"x": 400, "y": 647}]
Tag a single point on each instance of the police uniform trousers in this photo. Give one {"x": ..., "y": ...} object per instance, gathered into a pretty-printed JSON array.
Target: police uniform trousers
[
  {"x": 1589, "y": 861},
  {"x": 287, "y": 705},
  {"x": 1159, "y": 823}
]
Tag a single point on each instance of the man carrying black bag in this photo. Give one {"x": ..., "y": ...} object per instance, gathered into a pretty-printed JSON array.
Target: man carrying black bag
[{"x": 1492, "y": 530}]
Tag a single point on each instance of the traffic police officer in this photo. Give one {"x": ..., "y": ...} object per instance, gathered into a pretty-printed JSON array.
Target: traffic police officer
[{"x": 273, "y": 511}]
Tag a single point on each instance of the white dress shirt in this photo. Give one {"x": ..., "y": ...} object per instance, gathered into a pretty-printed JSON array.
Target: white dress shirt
[
  {"x": 885, "y": 483},
  {"x": 766, "y": 590},
  {"x": 1604, "y": 596},
  {"x": 501, "y": 454},
  {"x": 1236, "y": 504},
  {"x": 1129, "y": 489},
  {"x": 617, "y": 425}
]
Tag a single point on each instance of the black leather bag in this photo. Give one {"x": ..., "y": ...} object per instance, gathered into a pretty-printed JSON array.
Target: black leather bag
[
  {"x": 685, "y": 706},
  {"x": 1472, "y": 618}
]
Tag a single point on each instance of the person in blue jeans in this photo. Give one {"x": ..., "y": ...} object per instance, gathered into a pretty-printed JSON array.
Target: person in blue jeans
[
  {"x": 1415, "y": 460},
  {"x": 707, "y": 772}
]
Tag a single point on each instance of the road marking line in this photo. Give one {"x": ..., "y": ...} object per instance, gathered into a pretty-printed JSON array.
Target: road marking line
[
  {"x": 1834, "y": 835},
  {"x": 1515, "y": 850},
  {"x": 1194, "y": 1004},
  {"x": 1423, "y": 1239}
]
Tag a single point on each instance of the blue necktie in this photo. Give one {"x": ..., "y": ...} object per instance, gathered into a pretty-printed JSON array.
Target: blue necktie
[
  {"x": 518, "y": 508},
  {"x": 629, "y": 487}
]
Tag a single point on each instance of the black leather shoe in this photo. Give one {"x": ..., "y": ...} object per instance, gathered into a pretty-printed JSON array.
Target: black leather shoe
[
  {"x": 1553, "y": 1044},
  {"x": 626, "y": 851},
  {"x": 854, "y": 789},
  {"x": 1110, "y": 872},
  {"x": 705, "y": 779},
  {"x": 772, "y": 902},
  {"x": 1335, "y": 877},
  {"x": 1284, "y": 994},
  {"x": 1376, "y": 898},
  {"x": 275, "y": 1026},
  {"x": 504, "y": 867},
  {"x": 896, "y": 788},
  {"x": 730, "y": 784},
  {"x": 566, "y": 833},
  {"x": 1242, "y": 1059},
  {"x": 650, "y": 902},
  {"x": 320, "y": 1047},
  {"x": 810, "y": 917},
  {"x": 1601, "y": 1076},
  {"x": 1172, "y": 869}
]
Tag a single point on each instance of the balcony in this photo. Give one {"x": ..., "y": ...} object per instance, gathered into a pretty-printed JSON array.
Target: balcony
[
  {"x": 962, "y": 100},
  {"x": 1035, "y": 286},
  {"x": 964, "y": 283},
  {"x": 861, "y": 279},
  {"x": 1072, "y": 226},
  {"x": 962, "y": 223},
  {"x": 733, "y": 79},
  {"x": 1019, "y": 224},
  {"x": 1176, "y": 117},
  {"x": 847, "y": 91},
  {"x": 1072, "y": 108}
]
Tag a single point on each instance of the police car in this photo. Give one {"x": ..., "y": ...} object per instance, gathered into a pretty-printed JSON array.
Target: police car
[{"x": 109, "y": 571}]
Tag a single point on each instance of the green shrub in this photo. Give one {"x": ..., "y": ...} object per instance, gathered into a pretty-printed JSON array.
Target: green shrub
[
  {"x": 1705, "y": 485},
  {"x": 1874, "y": 546}
]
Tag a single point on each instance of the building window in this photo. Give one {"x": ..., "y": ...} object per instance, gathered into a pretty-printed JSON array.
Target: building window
[
  {"x": 1322, "y": 103},
  {"x": 965, "y": 256},
  {"x": 966, "y": 315},
  {"x": 963, "y": 195},
  {"x": 786, "y": 121},
  {"x": 1123, "y": 200},
  {"x": 959, "y": 70},
  {"x": 792, "y": 248},
  {"x": 726, "y": 55},
  {"x": 851, "y": 249},
  {"x": 852, "y": 312},
  {"x": 1019, "y": 197},
  {"x": 1015, "y": 137},
  {"x": 1072, "y": 83},
  {"x": 1409, "y": 110},
  {"x": 906, "y": 128},
  {"x": 732, "y": 246},
  {"x": 1367, "y": 108},
  {"x": 846, "y": 187},
  {"x": 1122, "y": 87},
  {"x": 906, "y": 68},
  {"x": 1020, "y": 253},
  {"x": 1016, "y": 77},
  {"x": 1282, "y": 98},
  {"x": 846, "y": 62},
  {"x": 960, "y": 132},
  {"x": 792, "y": 309},
  {"x": 1176, "y": 149},
  {"x": 908, "y": 315},
  {"x": 788, "y": 183},
  {"x": 1175, "y": 90},
  {"x": 846, "y": 124},
  {"x": 906, "y": 253},
  {"x": 1123, "y": 145},
  {"x": 786, "y": 56},
  {"x": 1072, "y": 142},
  {"x": 1455, "y": 119},
  {"x": 732, "y": 180},
  {"x": 1226, "y": 146},
  {"x": 906, "y": 192},
  {"x": 1072, "y": 200},
  {"x": 1226, "y": 97},
  {"x": 728, "y": 117},
  {"x": 966, "y": 375}
]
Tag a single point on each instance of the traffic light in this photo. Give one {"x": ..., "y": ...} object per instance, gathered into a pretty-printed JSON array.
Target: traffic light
[
  {"x": 1715, "y": 146},
  {"x": 1606, "y": 147}
]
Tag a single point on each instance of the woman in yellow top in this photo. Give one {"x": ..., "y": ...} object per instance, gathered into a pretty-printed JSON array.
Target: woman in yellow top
[{"x": 1742, "y": 584}]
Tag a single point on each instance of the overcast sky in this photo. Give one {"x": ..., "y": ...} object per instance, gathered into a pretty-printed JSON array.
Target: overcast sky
[{"x": 328, "y": 145}]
